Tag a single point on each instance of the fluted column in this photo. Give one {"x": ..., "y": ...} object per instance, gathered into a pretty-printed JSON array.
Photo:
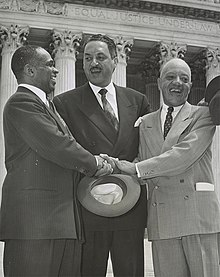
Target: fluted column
[
  {"x": 11, "y": 38},
  {"x": 150, "y": 72},
  {"x": 123, "y": 50},
  {"x": 212, "y": 70},
  {"x": 197, "y": 65},
  {"x": 65, "y": 44},
  {"x": 169, "y": 51}
]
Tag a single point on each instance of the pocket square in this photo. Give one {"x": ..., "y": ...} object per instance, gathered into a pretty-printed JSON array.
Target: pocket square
[
  {"x": 138, "y": 122},
  {"x": 204, "y": 186}
]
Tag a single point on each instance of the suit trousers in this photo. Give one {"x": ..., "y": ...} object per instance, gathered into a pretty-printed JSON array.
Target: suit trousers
[
  {"x": 42, "y": 258},
  {"x": 126, "y": 248},
  {"x": 189, "y": 256}
]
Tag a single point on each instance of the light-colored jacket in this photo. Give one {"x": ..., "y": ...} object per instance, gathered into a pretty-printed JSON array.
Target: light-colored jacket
[{"x": 173, "y": 168}]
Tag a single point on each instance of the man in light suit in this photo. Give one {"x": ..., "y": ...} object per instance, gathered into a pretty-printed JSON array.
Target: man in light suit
[
  {"x": 39, "y": 217},
  {"x": 175, "y": 163},
  {"x": 83, "y": 111}
]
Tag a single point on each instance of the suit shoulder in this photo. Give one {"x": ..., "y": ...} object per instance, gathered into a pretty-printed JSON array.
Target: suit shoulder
[
  {"x": 70, "y": 94},
  {"x": 131, "y": 91}
]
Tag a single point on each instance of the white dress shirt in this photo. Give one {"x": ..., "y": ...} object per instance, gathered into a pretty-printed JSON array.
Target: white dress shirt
[{"x": 110, "y": 96}]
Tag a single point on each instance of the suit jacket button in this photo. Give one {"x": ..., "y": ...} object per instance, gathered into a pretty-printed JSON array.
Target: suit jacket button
[
  {"x": 181, "y": 180},
  {"x": 186, "y": 197},
  {"x": 154, "y": 204},
  {"x": 156, "y": 187}
]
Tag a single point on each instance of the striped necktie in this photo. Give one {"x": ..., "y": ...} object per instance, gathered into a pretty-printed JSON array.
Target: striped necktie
[
  {"x": 168, "y": 121},
  {"x": 108, "y": 109}
]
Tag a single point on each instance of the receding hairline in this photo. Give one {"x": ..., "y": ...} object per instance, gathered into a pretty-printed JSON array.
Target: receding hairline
[{"x": 173, "y": 61}]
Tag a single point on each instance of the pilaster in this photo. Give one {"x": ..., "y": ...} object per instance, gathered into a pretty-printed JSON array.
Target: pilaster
[
  {"x": 212, "y": 70},
  {"x": 65, "y": 44},
  {"x": 123, "y": 47}
]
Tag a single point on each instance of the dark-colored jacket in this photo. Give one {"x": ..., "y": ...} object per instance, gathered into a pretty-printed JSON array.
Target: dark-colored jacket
[
  {"x": 88, "y": 124},
  {"x": 40, "y": 156}
]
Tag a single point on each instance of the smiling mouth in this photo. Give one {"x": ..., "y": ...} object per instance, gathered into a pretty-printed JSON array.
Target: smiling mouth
[
  {"x": 178, "y": 91},
  {"x": 95, "y": 70}
]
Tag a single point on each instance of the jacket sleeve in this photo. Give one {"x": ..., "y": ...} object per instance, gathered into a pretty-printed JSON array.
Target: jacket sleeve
[
  {"x": 183, "y": 154},
  {"x": 41, "y": 133}
]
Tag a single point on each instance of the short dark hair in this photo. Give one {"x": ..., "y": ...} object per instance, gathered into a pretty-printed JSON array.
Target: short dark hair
[
  {"x": 110, "y": 43},
  {"x": 24, "y": 55}
]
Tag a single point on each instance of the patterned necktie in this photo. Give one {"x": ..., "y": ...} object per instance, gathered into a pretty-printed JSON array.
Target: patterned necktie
[
  {"x": 168, "y": 121},
  {"x": 108, "y": 109}
]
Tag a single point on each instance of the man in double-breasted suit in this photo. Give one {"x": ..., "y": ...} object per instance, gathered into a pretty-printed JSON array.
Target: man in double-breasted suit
[
  {"x": 38, "y": 216},
  {"x": 84, "y": 113},
  {"x": 175, "y": 161}
]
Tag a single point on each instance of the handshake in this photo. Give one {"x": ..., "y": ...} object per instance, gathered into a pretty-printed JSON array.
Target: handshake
[{"x": 108, "y": 165}]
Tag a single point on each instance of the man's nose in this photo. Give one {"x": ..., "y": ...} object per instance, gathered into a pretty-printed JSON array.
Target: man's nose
[
  {"x": 94, "y": 61},
  {"x": 177, "y": 80}
]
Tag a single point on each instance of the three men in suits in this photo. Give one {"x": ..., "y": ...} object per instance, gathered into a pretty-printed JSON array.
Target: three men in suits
[
  {"x": 84, "y": 112},
  {"x": 183, "y": 209},
  {"x": 39, "y": 217}
]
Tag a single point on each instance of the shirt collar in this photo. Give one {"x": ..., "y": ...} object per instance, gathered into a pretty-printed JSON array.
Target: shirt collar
[
  {"x": 110, "y": 88},
  {"x": 40, "y": 93},
  {"x": 175, "y": 109}
]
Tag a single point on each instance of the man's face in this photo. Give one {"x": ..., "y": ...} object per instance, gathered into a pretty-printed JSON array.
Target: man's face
[
  {"x": 45, "y": 74},
  {"x": 98, "y": 64},
  {"x": 175, "y": 82}
]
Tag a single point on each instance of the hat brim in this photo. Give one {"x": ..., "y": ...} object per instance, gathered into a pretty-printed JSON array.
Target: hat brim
[{"x": 131, "y": 193}]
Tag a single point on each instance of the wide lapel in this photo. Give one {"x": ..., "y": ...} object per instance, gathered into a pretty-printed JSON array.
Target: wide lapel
[
  {"x": 126, "y": 112},
  {"x": 180, "y": 123},
  {"x": 58, "y": 120},
  {"x": 93, "y": 111},
  {"x": 152, "y": 133}
]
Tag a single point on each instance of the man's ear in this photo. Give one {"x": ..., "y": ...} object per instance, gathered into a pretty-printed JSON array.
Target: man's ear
[
  {"x": 115, "y": 61},
  {"x": 29, "y": 70},
  {"x": 158, "y": 83}
]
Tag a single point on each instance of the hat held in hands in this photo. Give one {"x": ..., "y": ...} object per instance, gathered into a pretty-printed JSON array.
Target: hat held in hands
[{"x": 110, "y": 196}]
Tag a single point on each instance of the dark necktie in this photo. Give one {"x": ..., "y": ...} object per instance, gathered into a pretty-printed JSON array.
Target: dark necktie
[
  {"x": 168, "y": 121},
  {"x": 108, "y": 109}
]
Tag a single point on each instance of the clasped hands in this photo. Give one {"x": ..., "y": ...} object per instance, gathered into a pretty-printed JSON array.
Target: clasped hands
[{"x": 108, "y": 165}]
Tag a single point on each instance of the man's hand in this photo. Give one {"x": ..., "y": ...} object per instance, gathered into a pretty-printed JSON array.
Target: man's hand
[
  {"x": 104, "y": 168},
  {"x": 111, "y": 161},
  {"x": 126, "y": 167}
]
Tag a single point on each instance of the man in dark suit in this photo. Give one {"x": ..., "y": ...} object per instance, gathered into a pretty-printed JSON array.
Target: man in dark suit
[
  {"x": 212, "y": 97},
  {"x": 38, "y": 217},
  {"x": 84, "y": 111}
]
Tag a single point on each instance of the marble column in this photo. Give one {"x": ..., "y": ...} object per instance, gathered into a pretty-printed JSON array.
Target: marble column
[
  {"x": 150, "y": 72},
  {"x": 123, "y": 47},
  {"x": 65, "y": 44},
  {"x": 212, "y": 70},
  {"x": 11, "y": 37}
]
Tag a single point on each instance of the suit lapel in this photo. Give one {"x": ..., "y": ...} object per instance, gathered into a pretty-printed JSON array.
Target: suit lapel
[
  {"x": 92, "y": 110},
  {"x": 126, "y": 113},
  {"x": 52, "y": 114},
  {"x": 153, "y": 133},
  {"x": 180, "y": 123}
]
